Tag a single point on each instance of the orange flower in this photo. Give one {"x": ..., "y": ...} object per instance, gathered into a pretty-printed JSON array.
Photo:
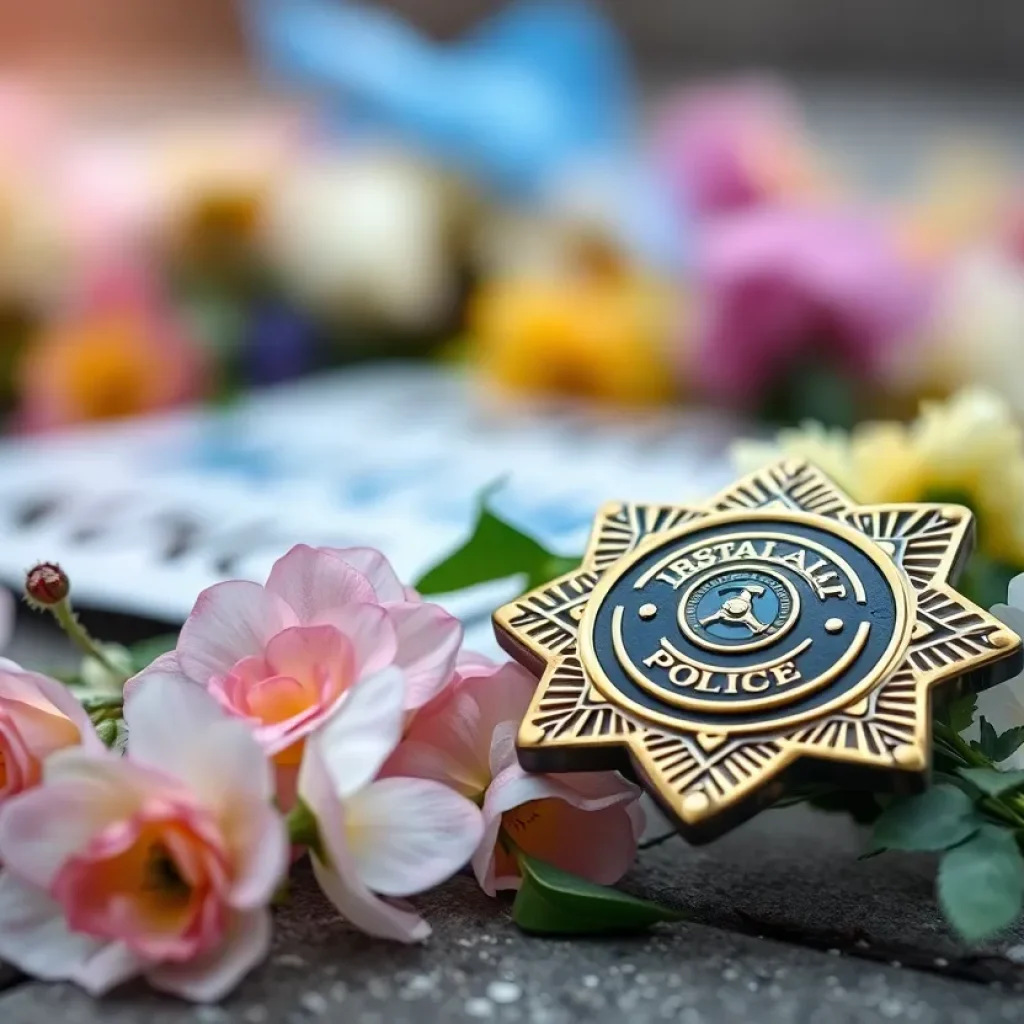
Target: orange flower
[
  {"x": 603, "y": 336},
  {"x": 121, "y": 355}
]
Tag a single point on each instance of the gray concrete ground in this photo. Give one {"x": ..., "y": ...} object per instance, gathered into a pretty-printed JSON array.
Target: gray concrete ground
[{"x": 785, "y": 925}]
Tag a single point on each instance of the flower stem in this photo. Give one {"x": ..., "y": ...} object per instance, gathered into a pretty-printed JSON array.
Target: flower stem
[
  {"x": 79, "y": 635},
  {"x": 1009, "y": 807},
  {"x": 303, "y": 829}
]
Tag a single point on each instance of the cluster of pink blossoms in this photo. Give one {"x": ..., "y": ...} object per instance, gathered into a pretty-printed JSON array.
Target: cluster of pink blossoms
[{"x": 331, "y": 710}]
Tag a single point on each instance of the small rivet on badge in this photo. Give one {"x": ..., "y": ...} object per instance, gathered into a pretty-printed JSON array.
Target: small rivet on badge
[{"x": 707, "y": 649}]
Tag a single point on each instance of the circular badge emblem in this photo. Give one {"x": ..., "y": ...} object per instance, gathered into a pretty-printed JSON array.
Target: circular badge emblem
[
  {"x": 738, "y": 609},
  {"x": 745, "y": 621}
]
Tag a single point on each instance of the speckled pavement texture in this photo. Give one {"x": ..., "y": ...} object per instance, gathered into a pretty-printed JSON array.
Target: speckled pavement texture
[{"x": 844, "y": 925}]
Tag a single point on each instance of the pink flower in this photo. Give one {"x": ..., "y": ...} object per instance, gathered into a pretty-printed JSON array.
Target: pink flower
[
  {"x": 784, "y": 284},
  {"x": 725, "y": 147},
  {"x": 283, "y": 656},
  {"x": 587, "y": 824},
  {"x": 161, "y": 863},
  {"x": 118, "y": 351},
  {"x": 38, "y": 717},
  {"x": 380, "y": 839}
]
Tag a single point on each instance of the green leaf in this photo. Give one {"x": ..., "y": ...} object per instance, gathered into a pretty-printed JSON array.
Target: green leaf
[
  {"x": 998, "y": 746},
  {"x": 989, "y": 739},
  {"x": 981, "y": 883},
  {"x": 495, "y": 550},
  {"x": 145, "y": 652},
  {"x": 993, "y": 782},
  {"x": 1007, "y": 743},
  {"x": 553, "y": 902},
  {"x": 985, "y": 581},
  {"x": 936, "y": 819},
  {"x": 959, "y": 713}
]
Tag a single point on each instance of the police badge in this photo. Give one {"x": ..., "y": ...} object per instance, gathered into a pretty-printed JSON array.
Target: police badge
[{"x": 779, "y": 635}]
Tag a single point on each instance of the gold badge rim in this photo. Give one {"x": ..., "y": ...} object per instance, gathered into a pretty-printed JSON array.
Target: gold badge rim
[{"x": 906, "y": 609}]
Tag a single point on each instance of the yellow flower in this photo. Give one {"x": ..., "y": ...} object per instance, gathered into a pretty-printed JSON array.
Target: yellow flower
[
  {"x": 602, "y": 336},
  {"x": 968, "y": 449}
]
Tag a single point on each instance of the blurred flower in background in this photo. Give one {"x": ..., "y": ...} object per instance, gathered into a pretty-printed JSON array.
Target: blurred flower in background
[
  {"x": 368, "y": 238},
  {"x": 118, "y": 350},
  {"x": 727, "y": 146},
  {"x": 501, "y": 198},
  {"x": 799, "y": 308},
  {"x": 599, "y": 333}
]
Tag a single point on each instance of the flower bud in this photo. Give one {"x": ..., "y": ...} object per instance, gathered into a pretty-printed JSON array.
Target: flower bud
[{"x": 47, "y": 584}]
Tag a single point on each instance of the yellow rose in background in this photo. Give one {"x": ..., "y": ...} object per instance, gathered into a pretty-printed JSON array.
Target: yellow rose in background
[{"x": 968, "y": 450}]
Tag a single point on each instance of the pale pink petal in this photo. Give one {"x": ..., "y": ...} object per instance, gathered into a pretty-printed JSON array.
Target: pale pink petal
[
  {"x": 313, "y": 581},
  {"x": 166, "y": 664},
  {"x": 460, "y": 723},
  {"x": 473, "y": 663},
  {"x": 181, "y": 730},
  {"x": 361, "y": 734},
  {"x": 259, "y": 851},
  {"x": 503, "y": 747},
  {"x": 368, "y": 913},
  {"x": 35, "y": 938},
  {"x": 373, "y": 564},
  {"x": 408, "y": 835},
  {"x": 35, "y": 733},
  {"x": 369, "y": 630},
  {"x": 60, "y": 697},
  {"x": 514, "y": 787},
  {"x": 485, "y": 859},
  {"x": 302, "y": 651},
  {"x": 230, "y": 621},
  {"x": 112, "y": 965},
  {"x": 597, "y": 845},
  {"x": 210, "y": 977},
  {"x": 338, "y": 878},
  {"x": 82, "y": 794},
  {"x": 20, "y": 769},
  {"x": 594, "y": 835},
  {"x": 428, "y": 644},
  {"x": 599, "y": 789},
  {"x": 503, "y": 693},
  {"x": 421, "y": 760}
]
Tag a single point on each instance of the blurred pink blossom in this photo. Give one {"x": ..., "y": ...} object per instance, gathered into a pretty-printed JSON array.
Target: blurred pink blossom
[
  {"x": 728, "y": 146},
  {"x": 781, "y": 284},
  {"x": 117, "y": 349},
  {"x": 586, "y": 824}
]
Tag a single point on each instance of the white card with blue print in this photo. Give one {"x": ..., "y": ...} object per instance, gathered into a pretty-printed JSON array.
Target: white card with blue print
[{"x": 146, "y": 514}]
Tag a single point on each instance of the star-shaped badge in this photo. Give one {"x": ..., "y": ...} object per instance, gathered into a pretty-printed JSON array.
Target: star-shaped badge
[{"x": 779, "y": 634}]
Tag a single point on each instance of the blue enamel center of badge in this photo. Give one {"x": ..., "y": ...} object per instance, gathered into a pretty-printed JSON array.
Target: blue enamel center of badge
[{"x": 746, "y": 622}]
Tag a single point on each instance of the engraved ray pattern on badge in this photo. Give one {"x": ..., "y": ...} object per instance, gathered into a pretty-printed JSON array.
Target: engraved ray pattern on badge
[{"x": 875, "y": 626}]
